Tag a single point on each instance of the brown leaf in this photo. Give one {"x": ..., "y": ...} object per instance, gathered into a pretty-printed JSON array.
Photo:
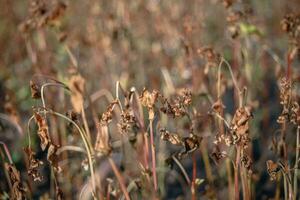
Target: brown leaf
[
  {"x": 172, "y": 138},
  {"x": 35, "y": 90},
  {"x": 102, "y": 144},
  {"x": 43, "y": 131},
  {"x": 77, "y": 84},
  {"x": 273, "y": 169},
  {"x": 59, "y": 194},
  {"x": 53, "y": 158},
  {"x": 218, "y": 106},
  {"x": 148, "y": 99}
]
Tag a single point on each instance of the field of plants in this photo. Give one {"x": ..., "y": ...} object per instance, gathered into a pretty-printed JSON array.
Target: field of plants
[{"x": 153, "y": 99}]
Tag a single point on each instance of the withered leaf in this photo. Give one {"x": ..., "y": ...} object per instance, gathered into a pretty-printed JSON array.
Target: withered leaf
[
  {"x": 59, "y": 194},
  {"x": 18, "y": 191},
  {"x": 35, "y": 90},
  {"x": 102, "y": 144},
  {"x": 53, "y": 158},
  {"x": 172, "y": 138},
  {"x": 148, "y": 99},
  {"x": 218, "y": 106},
  {"x": 43, "y": 131},
  {"x": 34, "y": 164},
  {"x": 76, "y": 85},
  {"x": 272, "y": 168}
]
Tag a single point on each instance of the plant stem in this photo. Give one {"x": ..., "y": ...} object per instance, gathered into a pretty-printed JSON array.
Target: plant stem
[
  {"x": 153, "y": 155},
  {"x": 236, "y": 174},
  {"x": 87, "y": 147},
  {"x": 6, "y": 152},
  {"x": 193, "y": 186},
  {"x": 182, "y": 170},
  {"x": 119, "y": 177},
  {"x": 229, "y": 175}
]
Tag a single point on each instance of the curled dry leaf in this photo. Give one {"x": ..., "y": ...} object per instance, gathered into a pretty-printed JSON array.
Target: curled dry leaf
[
  {"x": 240, "y": 126},
  {"x": 59, "y": 194},
  {"x": 247, "y": 162},
  {"x": 190, "y": 143},
  {"x": 34, "y": 164},
  {"x": 53, "y": 158},
  {"x": 172, "y": 138},
  {"x": 35, "y": 90},
  {"x": 43, "y": 130},
  {"x": 272, "y": 168},
  {"x": 148, "y": 100},
  {"x": 76, "y": 85},
  {"x": 17, "y": 191},
  {"x": 217, "y": 155},
  {"x": 218, "y": 106},
  {"x": 102, "y": 144}
]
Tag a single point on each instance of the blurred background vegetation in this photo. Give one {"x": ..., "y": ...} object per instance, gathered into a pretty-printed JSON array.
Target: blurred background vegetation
[{"x": 157, "y": 44}]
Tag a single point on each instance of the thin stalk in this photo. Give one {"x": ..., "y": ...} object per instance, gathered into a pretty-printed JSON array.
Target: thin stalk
[
  {"x": 285, "y": 187},
  {"x": 231, "y": 73},
  {"x": 207, "y": 166},
  {"x": 85, "y": 124},
  {"x": 70, "y": 148},
  {"x": 296, "y": 163},
  {"x": 277, "y": 194},
  {"x": 153, "y": 155},
  {"x": 229, "y": 175},
  {"x": 119, "y": 177},
  {"x": 236, "y": 174},
  {"x": 182, "y": 170},
  {"x": 7, "y": 152},
  {"x": 193, "y": 186},
  {"x": 50, "y": 84},
  {"x": 87, "y": 146}
]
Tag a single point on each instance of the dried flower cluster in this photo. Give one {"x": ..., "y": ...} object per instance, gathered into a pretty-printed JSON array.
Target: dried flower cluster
[
  {"x": 178, "y": 106},
  {"x": 290, "y": 107},
  {"x": 291, "y": 25},
  {"x": 43, "y": 13}
]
